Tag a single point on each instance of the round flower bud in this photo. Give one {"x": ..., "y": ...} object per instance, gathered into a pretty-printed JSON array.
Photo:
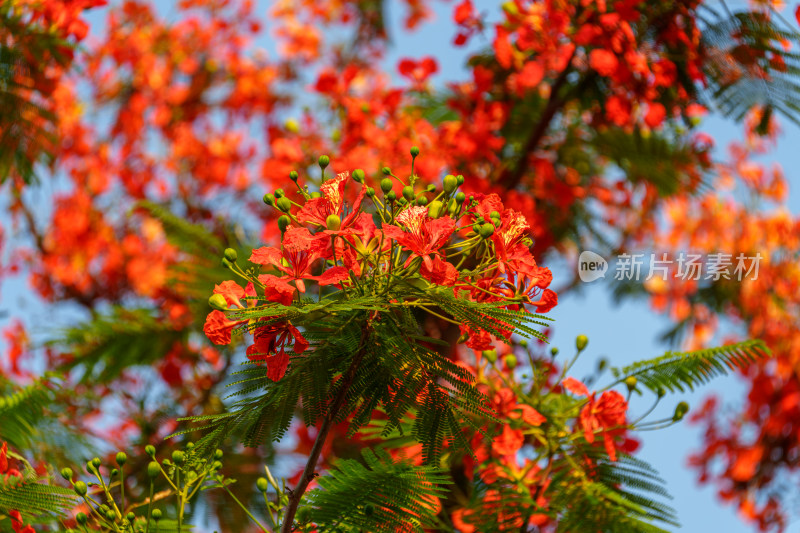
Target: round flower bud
[
  {"x": 414, "y": 151},
  {"x": 150, "y": 450},
  {"x": 422, "y": 200},
  {"x": 494, "y": 214},
  {"x": 153, "y": 469},
  {"x": 370, "y": 192},
  {"x": 460, "y": 197},
  {"x": 430, "y": 188},
  {"x": 231, "y": 255},
  {"x": 261, "y": 484},
  {"x": 217, "y": 301},
  {"x": 80, "y": 488},
  {"x": 476, "y": 227},
  {"x": 226, "y": 263},
  {"x": 218, "y": 454},
  {"x": 284, "y": 204},
  {"x": 386, "y": 171},
  {"x": 661, "y": 392},
  {"x": 66, "y": 473},
  {"x": 602, "y": 364},
  {"x": 189, "y": 445},
  {"x": 402, "y": 201},
  {"x": 460, "y": 180},
  {"x": 386, "y": 185},
  {"x": 391, "y": 196},
  {"x": 630, "y": 382},
  {"x": 680, "y": 411},
  {"x": 114, "y": 472},
  {"x": 110, "y": 515},
  {"x": 216, "y": 465},
  {"x": 81, "y": 519},
  {"x": 523, "y": 343},
  {"x": 269, "y": 199},
  {"x": 581, "y": 341},
  {"x": 130, "y": 516},
  {"x": 490, "y": 355},
  {"x": 408, "y": 192},
  {"x": 283, "y": 223},
  {"x": 121, "y": 458},
  {"x": 96, "y": 462},
  {"x": 450, "y": 183},
  {"x": 293, "y": 175},
  {"x": 333, "y": 222},
  {"x": 324, "y": 161},
  {"x": 435, "y": 209},
  {"x": 511, "y": 361},
  {"x": 358, "y": 175},
  {"x": 156, "y": 514},
  {"x": 486, "y": 231},
  {"x": 553, "y": 351},
  {"x": 178, "y": 457},
  {"x": 279, "y": 193}
]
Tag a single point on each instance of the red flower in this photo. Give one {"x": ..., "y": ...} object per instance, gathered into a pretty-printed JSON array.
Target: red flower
[
  {"x": 300, "y": 250},
  {"x": 269, "y": 347},
  {"x": 605, "y": 415},
  {"x": 317, "y": 210},
  {"x": 231, "y": 291},
  {"x": 218, "y": 328},
  {"x": 603, "y": 62},
  {"x": 425, "y": 236},
  {"x": 418, "y": 71},
  {"x": 441, "y": 273}
]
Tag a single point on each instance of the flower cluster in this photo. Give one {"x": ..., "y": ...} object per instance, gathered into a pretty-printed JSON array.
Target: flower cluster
[{"x": 331, "y": 241}]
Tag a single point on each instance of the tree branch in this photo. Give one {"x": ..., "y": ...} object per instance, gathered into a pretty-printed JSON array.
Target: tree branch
[{"x": 309, "y": 471}]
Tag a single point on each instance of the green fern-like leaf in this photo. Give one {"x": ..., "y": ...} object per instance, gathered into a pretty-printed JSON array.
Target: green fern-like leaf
[
  {"x": 680, "y": 370},
  {"x": 379, "y": 494}
]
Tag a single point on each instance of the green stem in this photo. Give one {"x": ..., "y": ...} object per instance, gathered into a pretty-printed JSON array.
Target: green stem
[{"x": 248, "y": 513}]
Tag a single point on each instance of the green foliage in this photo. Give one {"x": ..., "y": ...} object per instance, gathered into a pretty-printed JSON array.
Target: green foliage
[
  {"x": 21, "y": 409},
  {"x": 679, "y": 370},
  {"x": 33, "y": 499},
  {"x": 739, "y": 65},
  {"x": 380, "y": 494}
]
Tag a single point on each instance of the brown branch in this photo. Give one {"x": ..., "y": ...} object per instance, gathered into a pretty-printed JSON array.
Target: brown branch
[
  {"x": 309, "y": 471},
  {"x": 511, "y": 177}
]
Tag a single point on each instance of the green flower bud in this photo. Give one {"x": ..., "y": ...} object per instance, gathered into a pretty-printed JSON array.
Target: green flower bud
[
  {"x": 476, "y": 227},
  {"x": 680, "y": 411},
  {"x": 150, "y": 450},
  {"x": 80, "y": 488},
  {"x": 414, "y": 151},
  {"x": 178, "y": 457},
  {"x": 114, "y": 472},
  {"x": 661, "y": 392},
  {"x": 96, "y": 462},
  {"x": 216, "y": 465},
  {"x": 511, "y": 361},
  {"x": 283, "y": 223},
  {"x": 218, "y": 454},
  {"x": 81, "y": 519},
  {"x": 408, "y": 192},
  {"x": 450, "y": 183},
  {"x": 358, "y": 175},
  {"x": 553, "y": 351},
  {"x": 316, "y": 194},
  {"x": 370, "y": 192},
  {"x": 333, "y": 222},
  {"x": 494, "y": 214},
  {"x": 226, "y": 263},
  {"x": 110, "y": 515},
  {"x": 217, "y": 301},
  {"x": 279, "y": 193},
  {"x": 602, "y": 364},
  {"x": 386, "y": 185},
  {"x": 430, "y": 188},
  {"x": 190, "y": 445},
  {"x": 631, "y": 382},
  {"x": 231, "y": 255},
  {"x": 284, "y": 204},
  {"x": 156, "y": 514},
  {"x": 435, "y": 209},
  {"x": 261, "y": 484},
  {"x": 460, "y": 180},
  {"x": 269, "y": 199},
  {"x": 523, "y": 343},
  {"x": 460, "y": 197},
  {"x": 422, "y": 200},
  {"x": 490, "y": 355},
  {"x": 581, "y": 341},
  {"x": 66, "y": 473},
  {"x": 324, "y": 161},
  {"x": 293, "y": 175},
  {"x": 391, "y": 196},
  {"x": 130, "y": 516},
  {"x": 386, "y": 171},
  {"x": 153, "y": 469},
  {"x": 121, "y": 458},
  {"x": 486, "y": 231},
  {"x": 401, "y": 201}
]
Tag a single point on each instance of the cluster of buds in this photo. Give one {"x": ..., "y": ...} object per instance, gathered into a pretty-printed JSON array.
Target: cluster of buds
[{"x": 349, "y": 237}]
